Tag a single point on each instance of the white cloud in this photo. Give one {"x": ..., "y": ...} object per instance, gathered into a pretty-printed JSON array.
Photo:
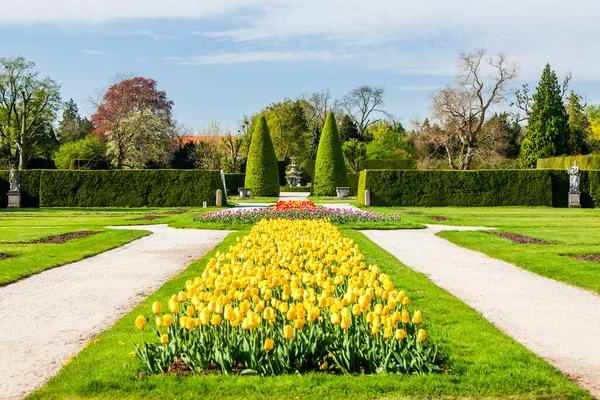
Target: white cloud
[
  {"x": 154, "y": 36},
  {"x": 256, "y": 56},
  {"x": 92, "y": 52}
]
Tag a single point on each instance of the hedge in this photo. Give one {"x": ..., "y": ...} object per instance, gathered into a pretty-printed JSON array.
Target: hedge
[
  {"x": 233, "y": 182},
  {"x": 387, "y": 164},
  {"x": 589, "y": 162},
  {"x": 128, "y": 188},
  {"x": 30, "y": 188},
  {"x": 299, "y": 189},
  {"x": 353, "y": 182},
  {"x": 456, "y": 188},
  {"x": 330, "y": 165}
]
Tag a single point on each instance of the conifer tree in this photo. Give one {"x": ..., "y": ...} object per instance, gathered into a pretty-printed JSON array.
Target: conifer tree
[
  {"x": 548, "y": 129},
  {"x": 262, "y": 173},
  {"x": 330, "y": 166},
  {"x": 579, "y": 126}
]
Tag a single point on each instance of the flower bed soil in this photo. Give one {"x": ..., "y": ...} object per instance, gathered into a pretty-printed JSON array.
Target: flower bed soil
[
  {"x": 586, "y": 257},
  {"x": 148, "y": 218},
  {"x": 438, "y": 218},
  {"x": 176, "y": 212},
  {"x": 59, "y": 239},
  {"x": 5, "y": 256},
  {"x": 519, "y": 239},
  {"x": 414, "y": 213}
]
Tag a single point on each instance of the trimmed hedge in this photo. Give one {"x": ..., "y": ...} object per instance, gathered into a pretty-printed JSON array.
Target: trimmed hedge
[
  {"x": 589, "y": 162},
  {"x": 456, "y": 188},
  {"x": 300, "y": 189},
  {"x": 262, "y": 170},
  {"x": 233, "y": 182},
  {"x": 594, "y": 181},
  {"x": 330, "y": 165},
  {"x": 128, "y": 188},
  {"x": 387, "y": 164},
  {"x": 560, "y": 188},
  {"x": 30, "y": 188},
  {"x": 353, "y": 183}
]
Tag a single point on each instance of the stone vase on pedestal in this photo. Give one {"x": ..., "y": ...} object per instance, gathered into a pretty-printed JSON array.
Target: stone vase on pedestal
[{"x": 574, "y": 199}]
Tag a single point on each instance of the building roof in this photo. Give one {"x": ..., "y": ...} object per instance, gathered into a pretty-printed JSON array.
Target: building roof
[{"x": 183, "y": 140}]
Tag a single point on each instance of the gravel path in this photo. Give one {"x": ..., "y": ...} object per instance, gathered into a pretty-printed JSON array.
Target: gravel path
[
  {"x": 49, "y": 316},
  {"x": 558, "y": 322}
]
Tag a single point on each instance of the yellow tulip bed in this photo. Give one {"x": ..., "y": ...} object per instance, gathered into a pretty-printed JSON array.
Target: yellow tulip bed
[{"x": 292, "y": 296}]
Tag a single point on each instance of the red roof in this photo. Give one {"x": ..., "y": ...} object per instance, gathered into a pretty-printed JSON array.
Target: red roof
[{"x": 183, "y": 140}]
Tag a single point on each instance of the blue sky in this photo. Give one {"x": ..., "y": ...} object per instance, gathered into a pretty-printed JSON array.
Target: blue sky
[{"x": 223, "y": 59}]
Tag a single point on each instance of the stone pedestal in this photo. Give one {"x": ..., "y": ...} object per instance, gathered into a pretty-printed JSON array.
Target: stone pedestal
[
  {"x": 342, "y": 192},
  {"x": 575, "y": 199},
  {"x": 219, "y": 199},
  {"x": 14, "y": 199},
  {"x": 244, "y": 193},
  {"x": 367, "y": 198}
]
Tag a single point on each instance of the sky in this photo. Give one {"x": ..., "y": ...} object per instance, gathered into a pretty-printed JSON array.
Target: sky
[{"x": 223, "y": 59}]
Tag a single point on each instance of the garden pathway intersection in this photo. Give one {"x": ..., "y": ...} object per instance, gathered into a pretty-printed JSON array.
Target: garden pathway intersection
[
  {"x": 67, "y": 306},
  {"x": 558, "y": 322}
]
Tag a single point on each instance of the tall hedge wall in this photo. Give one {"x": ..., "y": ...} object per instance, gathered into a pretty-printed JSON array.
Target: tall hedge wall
[
  {"x": 128, "y": 188},
  {"x": 456, "y": 188},
  {"x": 233, "y": 182},
  {"x": 30, "y": 188},
  {"x": 589, "y": 162}
]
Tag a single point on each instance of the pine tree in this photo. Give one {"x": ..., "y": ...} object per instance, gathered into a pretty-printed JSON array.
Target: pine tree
[
  {"x": 548, "y": 129},
  {"x": 579, "y": 126},
  {"x": 262, "y": 173},
  {"x": 348, "y": 129},
  {"x": 72, "y": 127},
  {"x": 330, "y": 166}
]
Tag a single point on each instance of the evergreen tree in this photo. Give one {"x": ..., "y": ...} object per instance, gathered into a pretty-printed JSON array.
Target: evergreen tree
[
  {"x": 330, "y": 166},
  {"x": 72, "y": 127},
  {"x": 262, "y": 172},
  {"x": 314, "y": 143},
  {"x": 579, "y": 126},
  {"x": 548, "y": 129},
  {"x": 348, "y": 129}
]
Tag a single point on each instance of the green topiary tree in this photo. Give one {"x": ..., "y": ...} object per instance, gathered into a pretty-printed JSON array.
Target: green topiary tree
[
  {"x": 548, "y": 129},
  {"x": 262, "y": 173},
  {"x": 330, "y": 166}
]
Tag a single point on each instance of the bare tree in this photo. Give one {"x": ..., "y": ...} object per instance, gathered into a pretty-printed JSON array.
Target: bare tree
[
  {"x": 460, "y": 108},
  {"x": 233, "y": 149},
  {"x": 362, "y": 103}
]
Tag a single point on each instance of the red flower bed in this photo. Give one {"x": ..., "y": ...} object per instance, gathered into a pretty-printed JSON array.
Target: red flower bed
[{"x": 294, "y": 205}]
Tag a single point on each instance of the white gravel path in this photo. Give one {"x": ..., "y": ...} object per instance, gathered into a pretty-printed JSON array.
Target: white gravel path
[
  {"x": 49, "y": 316},
  {"x": 558, "y": 322}
]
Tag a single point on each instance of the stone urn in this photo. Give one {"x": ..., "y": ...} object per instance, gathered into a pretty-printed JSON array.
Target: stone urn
[
  {"x": 342, "y": 192},
  {"x": 244, "y": 193}
]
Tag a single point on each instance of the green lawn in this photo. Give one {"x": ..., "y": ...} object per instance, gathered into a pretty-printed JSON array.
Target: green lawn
[
  {"x": 479, "y": 360},
  {"x": 575, "y": 231},
  {"x": 26, "y": 225}
]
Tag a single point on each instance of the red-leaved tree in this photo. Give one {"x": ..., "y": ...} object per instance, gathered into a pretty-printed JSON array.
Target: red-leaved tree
[{"x": 120, "y": 104}]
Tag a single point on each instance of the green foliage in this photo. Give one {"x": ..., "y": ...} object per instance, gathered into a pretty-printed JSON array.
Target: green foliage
[
  {"x": 298, "y": 189},
  {"x": 353, "y": 183},
  {"x": 587, "y": 162},
  {"x": 348, "y": 129},
  {"x": 233, "y": 182},
  {"x": 90, "y": 148},
  {"x": 548, "y": 128},
  {"x": 288, "y": 128},
  {"x": 388, "y": 164},
  {"x": 72, "y": 127},
  {"x": 262, "y": 173},
  {"x": 355, "y": 153},
  {"x": 128, "y": 188},
  {"x": 579, "y": 126},
  {"x": 330, "y": 166},
  {"x": 30, "y": 188},
  {"x": 456, "y": 188},
  {"x": 389, "y": 141}
]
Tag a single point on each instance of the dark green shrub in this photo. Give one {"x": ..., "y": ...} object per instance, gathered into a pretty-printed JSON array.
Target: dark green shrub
[
  {"x": 262, "y": 171},
  {"x": 387, "y": 164},
  {"x": 330, "y": 166},
  {"x": 233, "y": 182},
  {"x": 300, "y": 189},
  {"x": 560, "y": 189},
  {"x": 594, "y": 179},
  {"x": 129, "y": 188},
  {"x": 591, "y": 161},
  {"x": 353, "y": 182},
  {"x": 456, "y": 188}
]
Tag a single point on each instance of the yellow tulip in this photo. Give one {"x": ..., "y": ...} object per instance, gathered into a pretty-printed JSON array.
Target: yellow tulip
[
  {"x": 400, "y": 334},
  {"x": 190, "y": 311},
  {"x": 174, "y": 306},
  {"x": 215, "y": 320},
  {"x": 156, "y": 307},
  {"x": 387, "y": 332},
  {"x": 288, "y": 332},
  {"x": 345, "y": 322},
  {"x": 190, "y": 323},
  {"x": 405, "y": 301},
  {"x": 335, "y": 318},
  {"x": 182, "y": 321},
  {"x": 140, "y": 322},
  {"x": 299, "y": 323},
  {"x": 167, "y": 319},
  {"x": 405, "y": 317},
  {"x": 291, "y": 315},
  {"x": 324, "y": 366},
  {"x": 159, "y": 322},
  {"x": 417, "y": 318},
  {"x": 268, "y": 344},
  {"x": 356, "y": 311},
  {"x": 182, "y": 296},
  {"x": 421, "y": 335},
  {"x": 164, "y": 338}
]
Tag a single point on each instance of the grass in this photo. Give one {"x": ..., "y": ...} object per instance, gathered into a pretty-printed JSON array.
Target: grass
[
  {"x": 480, "y": 361},
  {"x": 575, "y": 231},
  {"x": 24, "y": 225}
]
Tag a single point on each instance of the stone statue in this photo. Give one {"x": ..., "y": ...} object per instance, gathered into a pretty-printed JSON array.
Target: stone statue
[
  {"x": 574, "y": 177},
  {"x": 14, "y": 180}
]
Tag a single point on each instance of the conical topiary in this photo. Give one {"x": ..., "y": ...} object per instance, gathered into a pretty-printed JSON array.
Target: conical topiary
[
  {"x": 330, "y": 166},
  {"x": 262, "y": 173}
]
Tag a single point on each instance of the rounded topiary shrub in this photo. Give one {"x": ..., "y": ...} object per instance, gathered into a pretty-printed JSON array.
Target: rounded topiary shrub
[
  {"x": 330, "y": 166},
  {"x": 262, "y": 173}
]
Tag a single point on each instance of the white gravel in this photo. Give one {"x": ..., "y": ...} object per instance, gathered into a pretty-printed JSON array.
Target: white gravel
[
  {"x": 49, "y": 316},
  {"x": 558, "y": 322}
]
